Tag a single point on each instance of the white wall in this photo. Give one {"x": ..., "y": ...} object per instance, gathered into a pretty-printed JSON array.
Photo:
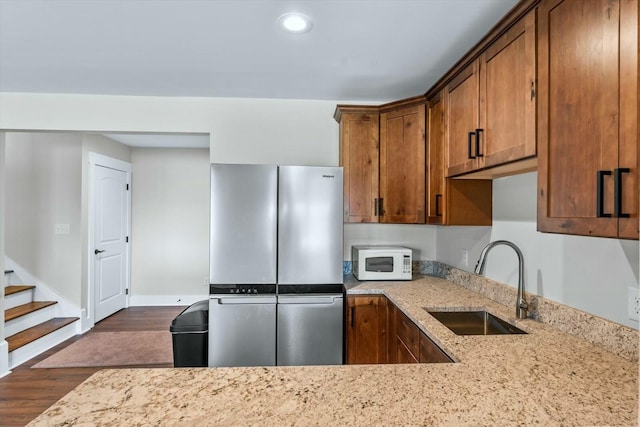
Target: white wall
[
  {"x": 303, "y": 132},
  {"x": 242, "y": 130},
  {"x": 47, "y": 174},
  {"x": 170, "y": 225},
  {"x": 420, "y": 238},
  {"x": 43, "y": 178},
  {"x": 588, "y": 273},
  {"x": 4, "y": 347}
]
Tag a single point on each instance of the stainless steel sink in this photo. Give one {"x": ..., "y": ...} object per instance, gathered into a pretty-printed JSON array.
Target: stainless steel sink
[{"x": 474, "y": 323}]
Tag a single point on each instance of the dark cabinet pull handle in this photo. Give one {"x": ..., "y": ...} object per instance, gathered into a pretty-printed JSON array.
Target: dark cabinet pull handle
[
  {"x": 478, "y": 153},
  {"x": 600, "y": 195},
  {"x": 380, "y": 210},
  {"x": 470, "y": 136},
  {"x": 617, "y": 193},
  {"x": 375, "y": 207},
  {"x": 438, "y": 198},
  {"x": 353, "y": 314}
]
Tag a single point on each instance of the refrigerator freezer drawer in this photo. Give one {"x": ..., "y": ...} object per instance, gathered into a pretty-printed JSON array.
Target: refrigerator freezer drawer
[
  {"x": 242, "y": 331},
  {"x": 310, "y": 330}
]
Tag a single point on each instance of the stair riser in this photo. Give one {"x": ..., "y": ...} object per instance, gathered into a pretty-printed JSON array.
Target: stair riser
[
  {"x": 20, "y": 298},
  {"x": 28, "y": 320},
  {"x": 29, "y": 351}
]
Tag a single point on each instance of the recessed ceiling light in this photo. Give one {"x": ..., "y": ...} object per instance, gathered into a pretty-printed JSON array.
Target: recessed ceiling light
[{"x": 295, "y": 22}]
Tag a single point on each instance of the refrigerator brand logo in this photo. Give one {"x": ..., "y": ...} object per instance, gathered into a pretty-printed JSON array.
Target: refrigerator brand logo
[{"x": 328, "y": 176}]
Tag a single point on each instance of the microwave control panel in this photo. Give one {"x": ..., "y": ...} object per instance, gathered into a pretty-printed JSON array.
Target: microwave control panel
[{"x": 406, "y": 264}]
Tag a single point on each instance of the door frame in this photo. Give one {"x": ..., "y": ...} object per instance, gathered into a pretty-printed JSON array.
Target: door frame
[{"x": 96, "y": 159}]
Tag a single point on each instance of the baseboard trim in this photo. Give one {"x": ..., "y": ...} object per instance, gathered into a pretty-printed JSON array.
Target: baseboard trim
[
  {"x": 4, "y": 359},
  {"x": 165, "y": 300}
]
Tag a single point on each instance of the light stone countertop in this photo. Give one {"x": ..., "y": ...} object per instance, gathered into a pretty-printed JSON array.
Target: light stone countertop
[{"x": 546, "y": 377}]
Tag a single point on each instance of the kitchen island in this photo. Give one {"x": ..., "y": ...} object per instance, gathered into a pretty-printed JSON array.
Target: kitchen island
[{"x": 545, "y": 377}]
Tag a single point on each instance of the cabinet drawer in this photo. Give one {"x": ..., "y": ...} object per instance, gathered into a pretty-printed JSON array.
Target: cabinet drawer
[
  {"x": 408, "y": 333},
  {"x": 430, "y": 352}
]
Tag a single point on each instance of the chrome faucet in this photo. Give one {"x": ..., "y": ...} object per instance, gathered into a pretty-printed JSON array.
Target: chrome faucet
[{"x": 521, "y": 304}]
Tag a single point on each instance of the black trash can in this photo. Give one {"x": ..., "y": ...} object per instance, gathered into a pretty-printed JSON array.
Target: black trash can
[{"x": 190, "y": 331}]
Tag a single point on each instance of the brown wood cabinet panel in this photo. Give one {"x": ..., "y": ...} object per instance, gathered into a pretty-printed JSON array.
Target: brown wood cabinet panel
[
  {"x": 402, "y": 165},
  {"x": 461, "y": 118},
  {"x": 588, "y": 101},
  {"x": 403, "y": 354},
  {"x": 435, "y": 155},
  {"x": 629, "y": 155},
  {"x": 359, "y": 146},
  {"x": 469, "y": 201},
  {"x": 392, "y": 331},
  {"x": 430, "y": 352},
  {"x": 507, "y": 96},
  {"x": 366, "y": 329},
  {"x": 408, "y": 332}
]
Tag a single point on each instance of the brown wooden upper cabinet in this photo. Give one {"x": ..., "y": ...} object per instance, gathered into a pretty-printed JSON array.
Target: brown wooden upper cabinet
[
  {"x": 588, "y": 117},
  {"x": 490, "y": 105},
  {"x": 402, "y": 163},
  {"x": 359, "y": 156},
  {"x": 449, "y": 201},
  {"x": 382, "y": 150}
]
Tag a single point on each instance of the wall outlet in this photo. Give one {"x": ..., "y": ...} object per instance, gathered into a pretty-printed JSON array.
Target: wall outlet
[
  {"x": 465, "y": 257},
  {"x": 62, "y": 229},
  {"x": 633, "y": 298},
  {"x": 205, "y": 280}
]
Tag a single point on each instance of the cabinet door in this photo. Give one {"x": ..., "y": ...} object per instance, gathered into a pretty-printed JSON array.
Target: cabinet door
[
  {"x": 392, "y": 340},
  {"x": 629, "y": 227},
  {"x": 366, "y": 329},
  {"x": 435, "y": 156},
  {"x": 578, "y": 121},
  {"x": 461, "y": 120},
  {"x": 408, "y": 333},
  {"x": 402, "y": 165},
  {"x": 359, "y": 156},
  {"x": 507, "y": 96},
  {"x": 430, "y": 352}
]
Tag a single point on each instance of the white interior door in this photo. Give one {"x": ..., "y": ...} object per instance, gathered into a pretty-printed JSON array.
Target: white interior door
[{"x": 111, "y": 225}]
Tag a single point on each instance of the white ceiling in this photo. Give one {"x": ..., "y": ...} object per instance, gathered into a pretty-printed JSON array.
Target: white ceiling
[{"x": 358, "y": 50}]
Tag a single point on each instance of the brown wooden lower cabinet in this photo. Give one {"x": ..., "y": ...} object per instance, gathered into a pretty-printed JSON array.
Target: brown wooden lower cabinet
[
  {"x": 404, "y": 355},
  {"x": 366, "y": 329},
  {"x": 378, "y": 332},
  {"x": 430, "y": 352}
]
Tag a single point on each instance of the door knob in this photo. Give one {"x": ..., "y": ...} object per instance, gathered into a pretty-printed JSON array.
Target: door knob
[{"x": 97, "y": 251}]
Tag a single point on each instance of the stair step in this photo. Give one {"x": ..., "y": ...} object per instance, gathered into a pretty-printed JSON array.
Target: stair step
[
  {"x": 24, "y": 309},
  {"x": 14, "y": 289},
  {"x": 8, "y": 271},
  {"x": 30, "y": 335}
]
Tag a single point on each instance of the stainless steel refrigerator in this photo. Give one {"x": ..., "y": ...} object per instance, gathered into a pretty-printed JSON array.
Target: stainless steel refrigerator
[{"x": 276, "y": 294}]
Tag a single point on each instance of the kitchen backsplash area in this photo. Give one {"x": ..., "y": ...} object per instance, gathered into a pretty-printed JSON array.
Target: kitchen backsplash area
[{"x": 618, "y": 339}]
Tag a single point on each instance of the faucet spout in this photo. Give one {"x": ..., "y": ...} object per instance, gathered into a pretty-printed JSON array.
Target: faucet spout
[{"x": 521, "y": 304}]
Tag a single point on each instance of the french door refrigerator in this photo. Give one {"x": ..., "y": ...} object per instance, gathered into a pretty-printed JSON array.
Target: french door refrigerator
[{"x": 276, "y": 294}]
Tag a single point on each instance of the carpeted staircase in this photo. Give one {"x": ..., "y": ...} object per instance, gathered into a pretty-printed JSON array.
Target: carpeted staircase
[{"x": 31, "y": 326}]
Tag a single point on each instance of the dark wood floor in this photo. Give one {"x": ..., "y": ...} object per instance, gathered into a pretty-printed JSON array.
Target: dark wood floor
[{"x": 26, "y": 392}]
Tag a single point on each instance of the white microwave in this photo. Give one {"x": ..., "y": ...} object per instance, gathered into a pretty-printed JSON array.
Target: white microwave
[{"x": 381, "y": 262}]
